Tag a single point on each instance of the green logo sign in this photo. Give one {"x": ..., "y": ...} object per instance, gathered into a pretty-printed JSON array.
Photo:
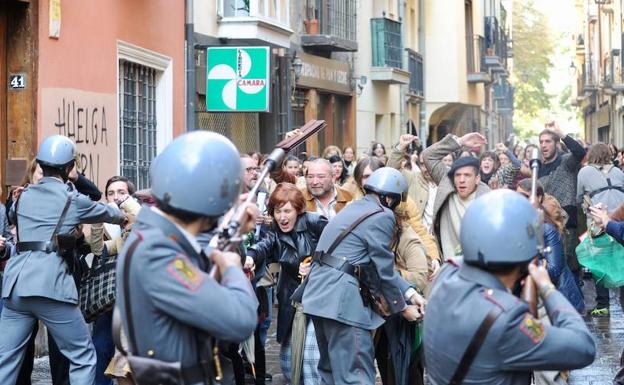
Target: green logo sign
[{"x": 238, "y": 79}]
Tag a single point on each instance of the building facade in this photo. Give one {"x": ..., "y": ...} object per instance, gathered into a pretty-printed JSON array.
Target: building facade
[
  {"x": 597, "y": 70},
  {"x": 94, "y": 74}
]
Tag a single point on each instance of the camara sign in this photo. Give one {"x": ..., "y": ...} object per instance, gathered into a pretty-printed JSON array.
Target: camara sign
[{"x": 237, "y": 79}]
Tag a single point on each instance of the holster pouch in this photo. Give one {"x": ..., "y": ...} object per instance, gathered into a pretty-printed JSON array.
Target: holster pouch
[
  {"x": 66, "y": 245},
  {"x": 370, "y": 289}
]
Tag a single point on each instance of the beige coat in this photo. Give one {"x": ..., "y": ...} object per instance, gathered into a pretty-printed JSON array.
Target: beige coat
[{"x": 411, "y": 259}]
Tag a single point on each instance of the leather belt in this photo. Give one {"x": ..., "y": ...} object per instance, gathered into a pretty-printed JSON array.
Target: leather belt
[
  {"x": 45, "y": 246},
  {"x": 338, "y": 263}
]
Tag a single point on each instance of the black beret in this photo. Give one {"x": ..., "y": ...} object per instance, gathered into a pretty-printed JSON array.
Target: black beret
[{"x": 463, "y": 162}]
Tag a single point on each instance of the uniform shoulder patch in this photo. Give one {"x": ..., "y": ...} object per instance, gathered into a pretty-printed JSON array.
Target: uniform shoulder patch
[
  {"x": 532, "y": 328},
  {"x": 185, "y": 272}
]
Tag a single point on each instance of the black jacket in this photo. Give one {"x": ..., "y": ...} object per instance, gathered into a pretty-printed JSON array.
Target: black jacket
[{"x": 288, "y": 249}]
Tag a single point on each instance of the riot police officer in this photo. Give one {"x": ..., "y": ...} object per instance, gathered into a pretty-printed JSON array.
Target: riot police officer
[
  {"x": 169, "y": 304},
  {"x": 475, "y": 329},
  {"x": 38, "y": 283},
  {"x": 343, "y": 319}
]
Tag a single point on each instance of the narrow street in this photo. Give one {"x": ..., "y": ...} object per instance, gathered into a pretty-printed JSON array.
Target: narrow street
[{"x": 608, "y": 331}]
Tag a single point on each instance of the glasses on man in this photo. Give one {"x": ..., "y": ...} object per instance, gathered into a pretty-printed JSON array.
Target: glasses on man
[{"x": 251, "y": 170}]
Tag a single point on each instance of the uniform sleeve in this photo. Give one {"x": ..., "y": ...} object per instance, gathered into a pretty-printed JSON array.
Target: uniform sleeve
[
  {"x": 94, "y": 212},
  {"x": 528, "y": 344},
  {"x": 379, "y": 235},
  {"x": 87, "y": 187},
  {"x": 178, "y": 288}
]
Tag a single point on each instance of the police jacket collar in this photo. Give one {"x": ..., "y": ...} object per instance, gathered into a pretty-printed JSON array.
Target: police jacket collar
[
  {"x": 480, "y": 277},
  {"x": 171, "y": 231}
]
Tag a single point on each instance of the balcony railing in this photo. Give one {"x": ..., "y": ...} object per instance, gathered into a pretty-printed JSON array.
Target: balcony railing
[
  {"x": 336, "y": 21},
  {"x": 275, "y": 11},
  {"x": 386, "y": 41},
  {"x": 495, "y": 44},
  {"x": 504, "y": 97},
  {"x": 415, "y": 66},
  {"x": 475, "y": 59}
]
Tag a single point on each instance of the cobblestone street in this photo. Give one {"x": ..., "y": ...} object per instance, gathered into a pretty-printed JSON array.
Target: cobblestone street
[{"x": 608, "y": 331}]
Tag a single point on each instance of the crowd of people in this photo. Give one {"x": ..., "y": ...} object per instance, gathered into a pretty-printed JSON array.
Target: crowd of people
[{"x": 347, "y": 248}]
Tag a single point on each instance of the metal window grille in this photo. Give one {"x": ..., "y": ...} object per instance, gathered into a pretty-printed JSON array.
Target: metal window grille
[
  {"x": 386, "y": 40},
  {"x": 336, "y": 17},
  {"x": 475, "y": 53},
  {"x": 137, "y": 121},
  {"x": 415, "y": 67}
]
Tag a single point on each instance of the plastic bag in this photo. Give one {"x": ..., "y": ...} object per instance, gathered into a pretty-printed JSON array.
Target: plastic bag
[{"x": 604, "y": 257}]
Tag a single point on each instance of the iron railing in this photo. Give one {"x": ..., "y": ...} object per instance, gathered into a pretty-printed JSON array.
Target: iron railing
[
  {"x": 386, "y": 41},
  {"x": 504, "y": 96},
  {"x": 415, "y": 66},
  {"x": 495, "y": 39},
  {"x": 336, "y": 17},
  {"x": 475, "y": 54}
]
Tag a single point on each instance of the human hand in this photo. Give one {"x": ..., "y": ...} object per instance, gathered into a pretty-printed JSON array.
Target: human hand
[
  {"x": 412, "y": 313},
  {"x": 225, "y": 259},
  {"x": 472, "y": 140},
  {"x": 539, "y": 274},
  {"x": 435, "y": 269},
  {"x": 405, "y": 140},
  {"x": 418, "y": 300},
  {"x": 304, "y": 268},
  {"x": 15, "y": 194},
  {"x": 500, "y": 147},
  {"x": 249, "y": 264},
  {"x": 600, "y": 215},
  {"x": 250, "y": 217},
  {"x": 554, "y": 127}
]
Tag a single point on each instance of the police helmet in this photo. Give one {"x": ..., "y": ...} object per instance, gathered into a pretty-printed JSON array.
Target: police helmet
[
  {"x": 199, "y": 172},
  {"x": 387, "y": 182},
  {"x": 56, "y": 151},
  {"x": 499, "y": 229}
]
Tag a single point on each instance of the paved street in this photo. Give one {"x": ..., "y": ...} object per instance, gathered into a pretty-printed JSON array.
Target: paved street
[{"x": 609, "y": 334}]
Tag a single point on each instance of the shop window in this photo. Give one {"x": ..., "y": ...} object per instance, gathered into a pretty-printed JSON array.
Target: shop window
[{"x": 137, "y": 121}]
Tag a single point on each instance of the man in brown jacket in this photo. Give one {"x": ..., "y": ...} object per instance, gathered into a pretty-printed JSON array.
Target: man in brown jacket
[{"x": 321, "y": 195}]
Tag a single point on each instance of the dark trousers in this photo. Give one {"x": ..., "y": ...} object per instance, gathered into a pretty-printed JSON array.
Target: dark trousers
[
  {"x": 415, "y": 371},
  {"x": 602, "y": 296},
  {"x": 104, "y": 346},
  {"x": 570, "y": 241}
]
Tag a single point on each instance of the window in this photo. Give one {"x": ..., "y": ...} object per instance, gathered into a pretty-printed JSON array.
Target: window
[{"x": 137, "y": 121}]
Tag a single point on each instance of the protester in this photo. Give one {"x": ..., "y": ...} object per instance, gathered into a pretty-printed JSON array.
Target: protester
[
  {"x": 321, "y": 194},
  {"x": 291, "y": 240},
  {"x": 348, "y": 156},
  {"x": 448, "y": 160},
  {"x": 497, "y": 340},
  {"x": 339, "y": 172},
  {"x": 489, "y": 165},
  {"x": 378, "y": 150},
  {"x": 332, "y": 295},
  {"x": 457, "y": 187},
  {"x": 331, "y": 151},
  {"x": 292, "y": 165},
  {"x": 611, "y": 227},
  {"x": 507, "y": 175},
  {"x": 558, "y": 175},
  {"x": 554, "y": 228}
]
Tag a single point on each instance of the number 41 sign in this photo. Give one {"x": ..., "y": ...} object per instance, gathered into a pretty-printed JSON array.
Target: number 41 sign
[{"x": 17, "y": 81}]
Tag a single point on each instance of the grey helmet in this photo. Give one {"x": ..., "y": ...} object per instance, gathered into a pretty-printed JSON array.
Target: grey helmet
[
  {"x": 500, "y": 229},
  {"x": 387, "y": 182},
  {"x": 199, "y": 172},
  {"x": 56, "y": 151}
]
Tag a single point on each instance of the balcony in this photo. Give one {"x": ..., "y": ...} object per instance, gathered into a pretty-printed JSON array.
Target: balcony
[
  {"x": 589, "y": 82},
  {"x": 495, "y": 46},
  {"x": 503, "y": 97},
  {"x": 387, "y": 52},
  {"x": 415, "y": 65},
  {"x": 331, "y": 25},
  {"x": 475, "y": 60},
  {"x": 257, "y": 20}
]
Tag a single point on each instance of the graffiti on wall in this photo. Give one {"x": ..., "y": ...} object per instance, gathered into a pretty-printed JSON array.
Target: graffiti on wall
[{"x": 89, "y": 119}]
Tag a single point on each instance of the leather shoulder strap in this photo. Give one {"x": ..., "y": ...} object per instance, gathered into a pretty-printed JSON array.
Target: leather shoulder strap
[
  {"x": 62, "y": 218},
  {"x": 17, "y": 216},
  {"x": 132, "y": 348},
  {"x": 474, "y": 346},
  {"x": 349, "y": 229}
]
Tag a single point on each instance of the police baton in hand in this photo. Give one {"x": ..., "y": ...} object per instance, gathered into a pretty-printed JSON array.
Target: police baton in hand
[
  {"x": 230, "y": 235},
  {"x": 529, "y": 290}
]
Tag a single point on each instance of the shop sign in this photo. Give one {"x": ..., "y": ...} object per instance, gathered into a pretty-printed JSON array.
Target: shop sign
[
  {"x": 238, "y": 79},
  {"x": 327, "y": 74}
]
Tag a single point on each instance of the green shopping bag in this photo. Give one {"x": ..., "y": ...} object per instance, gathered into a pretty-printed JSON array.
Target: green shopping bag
[{"x": 604, "y": 257}]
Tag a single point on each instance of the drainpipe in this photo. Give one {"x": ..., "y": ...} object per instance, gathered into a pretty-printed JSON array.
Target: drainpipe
[
  {"x": 402, "y": 87},
  {"x": 422, "y": 50},
  {"x": 189, "y": 32}
]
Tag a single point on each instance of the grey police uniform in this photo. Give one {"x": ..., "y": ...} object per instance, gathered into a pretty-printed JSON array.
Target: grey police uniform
[
  {"x": 172, "y": 298},
  {"x": 516, "y": 343},
  {"x": 37, "y": 284},
  {"x": 342, "y": 322}
]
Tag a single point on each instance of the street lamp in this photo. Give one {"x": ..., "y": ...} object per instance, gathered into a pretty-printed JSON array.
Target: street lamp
[{"x": 572, "y": 68}]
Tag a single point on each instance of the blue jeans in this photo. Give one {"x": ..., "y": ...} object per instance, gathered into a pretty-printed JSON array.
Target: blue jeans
[
  {"x": 104, "y": 346},
  {"x": 263, "y": 328}
]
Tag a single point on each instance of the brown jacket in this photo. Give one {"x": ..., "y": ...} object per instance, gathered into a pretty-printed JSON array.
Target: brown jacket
[{"x": 343, "y": 197}]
